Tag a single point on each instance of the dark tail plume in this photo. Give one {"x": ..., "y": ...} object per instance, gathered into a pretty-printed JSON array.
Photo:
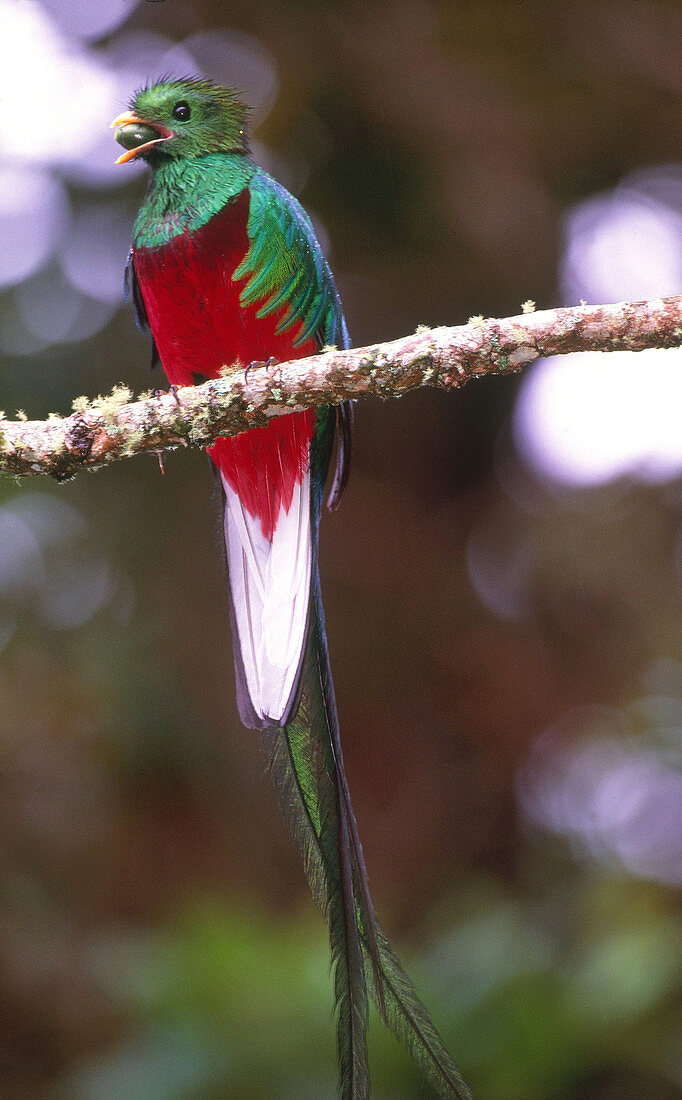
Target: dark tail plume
[{"x": 306, "y": 763}]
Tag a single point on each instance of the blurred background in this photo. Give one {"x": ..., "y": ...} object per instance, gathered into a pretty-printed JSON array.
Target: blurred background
[{"x": 502, "y": 584}]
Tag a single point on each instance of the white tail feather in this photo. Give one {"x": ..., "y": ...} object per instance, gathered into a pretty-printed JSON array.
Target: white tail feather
[{"x": 270, "y": 583}]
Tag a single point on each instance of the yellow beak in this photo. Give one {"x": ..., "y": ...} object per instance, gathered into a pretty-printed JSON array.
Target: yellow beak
[
  {"x": 126, "y": 119},
  {"x": 129, "y": 118}
]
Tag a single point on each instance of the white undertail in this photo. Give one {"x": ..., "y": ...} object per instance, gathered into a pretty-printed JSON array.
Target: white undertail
[{"x": 270, "y": 582}]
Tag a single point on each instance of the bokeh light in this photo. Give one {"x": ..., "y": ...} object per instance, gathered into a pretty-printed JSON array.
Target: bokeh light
[
  {"x": 616, "y": 797},
  {"x": 33, "y": 215},
  {"x": 626, "y": 244},
  {"x": 239, "y": 60},
  {"x": 55, "y": 92},
  {"x": 51, "y": 308},
  {"x": 89, "y": 19},
  {"x": 589, "y": 418},
  {"x": 49, "y": 564},
  {"x": 94, "y": 253}
]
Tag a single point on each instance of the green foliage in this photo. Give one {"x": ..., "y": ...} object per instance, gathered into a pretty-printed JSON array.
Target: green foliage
[{"x": 230, "y": 1001}]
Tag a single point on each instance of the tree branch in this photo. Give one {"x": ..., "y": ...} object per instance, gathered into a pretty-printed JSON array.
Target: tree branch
[{"x": 115, "y": 427}]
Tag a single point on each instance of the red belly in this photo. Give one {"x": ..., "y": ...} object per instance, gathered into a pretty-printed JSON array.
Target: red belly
[{"x": 199, "y": 327}]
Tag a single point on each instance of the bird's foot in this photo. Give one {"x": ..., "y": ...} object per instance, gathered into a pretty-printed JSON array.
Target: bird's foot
[
  {"x": 172, "y": 390},
  {"x": 258, "y": 363}
]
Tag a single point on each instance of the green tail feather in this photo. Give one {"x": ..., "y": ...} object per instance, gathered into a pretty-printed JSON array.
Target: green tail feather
[
  {"x": 408, "y": 1019},
  {"x": 306, "y": 765},
  {"x": 303, "y": 768}
]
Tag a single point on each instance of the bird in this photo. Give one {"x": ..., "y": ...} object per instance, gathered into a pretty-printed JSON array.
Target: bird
[{"x": 225, "y": 270}]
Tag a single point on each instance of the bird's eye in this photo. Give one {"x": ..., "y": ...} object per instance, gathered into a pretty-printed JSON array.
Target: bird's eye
[{"x": 181, "y": 111}]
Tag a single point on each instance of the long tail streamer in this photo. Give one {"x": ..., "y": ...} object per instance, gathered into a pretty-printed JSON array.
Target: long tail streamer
[{"x": 309, "y": 777}]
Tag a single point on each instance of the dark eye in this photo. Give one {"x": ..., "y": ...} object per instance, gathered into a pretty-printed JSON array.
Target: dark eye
[{"x": 181, "y": 111}]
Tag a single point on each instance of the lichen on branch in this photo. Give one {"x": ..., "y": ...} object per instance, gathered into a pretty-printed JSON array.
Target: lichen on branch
[{"x": 108, "y": 428}]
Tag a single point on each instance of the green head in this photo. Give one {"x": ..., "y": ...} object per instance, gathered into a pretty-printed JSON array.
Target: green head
[{"x": 182, "y": 118}]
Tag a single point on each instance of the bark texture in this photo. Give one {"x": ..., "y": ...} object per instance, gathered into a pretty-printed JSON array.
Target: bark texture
[{"x": 114, "y": 427}]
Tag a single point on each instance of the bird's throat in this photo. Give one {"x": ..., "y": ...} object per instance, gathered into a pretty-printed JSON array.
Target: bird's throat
[{"x": 185, "y": 193}]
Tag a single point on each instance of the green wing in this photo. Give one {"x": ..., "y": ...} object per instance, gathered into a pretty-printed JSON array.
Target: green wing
[
  {"x": 284, "y": 270},
  {"x": 293, "y": 280}
]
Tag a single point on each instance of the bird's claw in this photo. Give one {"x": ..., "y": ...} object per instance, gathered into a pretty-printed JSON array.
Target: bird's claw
[
  {"x": 258, "y": 363},
  {"x": 172, "y": 390}
]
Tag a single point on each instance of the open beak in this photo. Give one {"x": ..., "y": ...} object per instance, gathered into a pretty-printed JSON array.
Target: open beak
[{"x": 137, "y": 136}]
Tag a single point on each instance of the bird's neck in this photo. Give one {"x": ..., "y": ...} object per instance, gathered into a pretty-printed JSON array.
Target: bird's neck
[{"x": 185, "y": 193}]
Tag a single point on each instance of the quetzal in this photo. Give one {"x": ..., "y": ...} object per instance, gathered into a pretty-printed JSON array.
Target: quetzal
[{"x": 225, "y": 268}]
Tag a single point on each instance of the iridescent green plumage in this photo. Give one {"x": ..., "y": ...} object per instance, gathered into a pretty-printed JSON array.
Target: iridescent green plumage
[{"x": 294, "y": 281}]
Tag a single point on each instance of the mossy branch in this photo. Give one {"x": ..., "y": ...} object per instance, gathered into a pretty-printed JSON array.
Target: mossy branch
[{"x": 109, "y": 428}]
